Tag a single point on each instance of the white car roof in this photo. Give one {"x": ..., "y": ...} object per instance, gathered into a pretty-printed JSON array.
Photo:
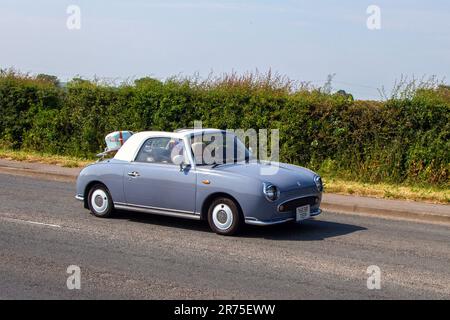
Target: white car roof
[{"x": 128, "y": 151}]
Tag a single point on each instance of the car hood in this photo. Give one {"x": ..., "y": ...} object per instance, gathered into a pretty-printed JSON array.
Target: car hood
[{"x": 285, "y": 176}]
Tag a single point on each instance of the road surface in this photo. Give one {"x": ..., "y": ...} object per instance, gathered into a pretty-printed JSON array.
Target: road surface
[{"x": 43, "y": 230}]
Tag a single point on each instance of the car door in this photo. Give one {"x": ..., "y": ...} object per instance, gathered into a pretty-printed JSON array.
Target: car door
[{"x": 153, "y": 181}]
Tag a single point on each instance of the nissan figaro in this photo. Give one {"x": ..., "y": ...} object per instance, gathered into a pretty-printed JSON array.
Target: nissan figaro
[{"x": 169, "y": 173}]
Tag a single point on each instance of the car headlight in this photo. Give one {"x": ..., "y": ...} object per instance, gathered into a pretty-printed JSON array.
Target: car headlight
[
  {"x": 318, "y": 182},
  {"x": 271, "y": 192}
]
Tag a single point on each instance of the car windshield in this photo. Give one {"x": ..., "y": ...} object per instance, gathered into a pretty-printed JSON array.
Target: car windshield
[{"x": 218, "y": 148}]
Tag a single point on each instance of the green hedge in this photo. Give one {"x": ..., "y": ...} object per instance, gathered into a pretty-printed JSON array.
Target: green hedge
[{"x": 400, "y": 140}]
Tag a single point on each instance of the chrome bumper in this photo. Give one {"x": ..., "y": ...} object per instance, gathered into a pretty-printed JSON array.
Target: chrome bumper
[
  {"x": 272, "y": 222},
  {"x": 80, "y": 198}
]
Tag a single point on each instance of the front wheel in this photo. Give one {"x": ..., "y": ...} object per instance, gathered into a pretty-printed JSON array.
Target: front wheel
[
  {"x": 100, "y": 202},
  {"x": 224, "y": 217}
]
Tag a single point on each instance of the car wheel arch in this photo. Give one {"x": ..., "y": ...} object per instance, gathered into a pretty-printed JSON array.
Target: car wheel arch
[{"x": 207, "y": 202}]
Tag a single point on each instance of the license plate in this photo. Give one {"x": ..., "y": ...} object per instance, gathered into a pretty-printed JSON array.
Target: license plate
[{"x": 303, "y": 212}]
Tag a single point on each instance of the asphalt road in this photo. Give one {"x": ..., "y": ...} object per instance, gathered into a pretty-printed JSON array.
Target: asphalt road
[{"x": 43, "y": 230}]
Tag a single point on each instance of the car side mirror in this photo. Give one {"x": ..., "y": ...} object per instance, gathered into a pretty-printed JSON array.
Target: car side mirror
[{"x": 184, "y": 166}]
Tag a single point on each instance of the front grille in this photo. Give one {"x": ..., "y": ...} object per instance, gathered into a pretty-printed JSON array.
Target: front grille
[{"x": 292, "y": 204}]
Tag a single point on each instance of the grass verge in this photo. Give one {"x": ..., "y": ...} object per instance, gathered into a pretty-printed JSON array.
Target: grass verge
[
  {"x": 424, "y": 193},
  {"x": 431, "y": 194},
  {"x": 32, "y": 156}
]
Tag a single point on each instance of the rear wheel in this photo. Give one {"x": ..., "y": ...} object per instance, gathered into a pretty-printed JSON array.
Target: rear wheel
[
  {"x": 100, "y": 202},
  {"x": 224, "y": 217}
]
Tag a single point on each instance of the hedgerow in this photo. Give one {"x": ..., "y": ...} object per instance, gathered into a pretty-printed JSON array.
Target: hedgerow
[{"x": 398, "y": 140}]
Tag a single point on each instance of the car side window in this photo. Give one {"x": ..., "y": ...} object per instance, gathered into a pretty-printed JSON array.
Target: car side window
[{"x": 161, "y": 150}]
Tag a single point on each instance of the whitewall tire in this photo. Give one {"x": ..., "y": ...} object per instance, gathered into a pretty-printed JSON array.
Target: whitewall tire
[
  {"x": 100, "y": 202},
  {"x": 224, "y": 216}
]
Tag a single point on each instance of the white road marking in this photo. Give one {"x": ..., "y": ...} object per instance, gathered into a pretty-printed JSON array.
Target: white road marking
[{"x": 33, "y": 222}]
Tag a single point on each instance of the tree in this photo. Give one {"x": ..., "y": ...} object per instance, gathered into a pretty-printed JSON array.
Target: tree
[
  {"x": 48, "y": 78},
  {"x": 344, "y": 94}
]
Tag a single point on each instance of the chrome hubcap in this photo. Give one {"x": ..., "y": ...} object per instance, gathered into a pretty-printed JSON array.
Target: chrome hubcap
[
  {"x": 222, "y": 216},
  {"x": 99, "y": 201}
]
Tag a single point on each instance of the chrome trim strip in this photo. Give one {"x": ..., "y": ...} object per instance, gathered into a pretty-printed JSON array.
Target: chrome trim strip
[
  {"x": 155, "y": 208},
  {"x": 266, "y": 223},
  {"x": 80, "y": 198},
  {"x": 161, "y": 211}
]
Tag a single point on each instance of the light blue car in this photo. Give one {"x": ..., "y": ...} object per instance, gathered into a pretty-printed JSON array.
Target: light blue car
[{"x": 167, "y": 173}]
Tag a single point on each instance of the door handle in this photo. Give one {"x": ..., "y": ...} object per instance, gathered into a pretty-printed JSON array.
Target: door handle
[{"x": 134, "y": 174}]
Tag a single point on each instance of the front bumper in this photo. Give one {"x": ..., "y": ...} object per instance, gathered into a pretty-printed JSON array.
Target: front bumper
[
  {"x": 79, "y": 197},
  {"x": 256, "y": 222}
]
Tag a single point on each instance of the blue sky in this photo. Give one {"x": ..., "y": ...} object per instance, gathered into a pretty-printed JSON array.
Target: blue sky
[{"x": 305, "y": 40}]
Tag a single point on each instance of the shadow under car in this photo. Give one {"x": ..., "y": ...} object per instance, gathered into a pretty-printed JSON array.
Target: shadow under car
[{"x": 308, "y": 230}]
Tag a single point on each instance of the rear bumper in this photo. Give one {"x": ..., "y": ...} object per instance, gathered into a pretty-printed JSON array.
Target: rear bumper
[
  {"x": 79, "y": 197},
  {"x": 257, "y": 222}
]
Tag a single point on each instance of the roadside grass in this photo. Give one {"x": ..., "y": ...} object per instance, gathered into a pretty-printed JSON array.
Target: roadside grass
[
  {"x": 424, "y": 193},
  {"x": 33, "y": 156},
  {"x": 332, "y": 183}
]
